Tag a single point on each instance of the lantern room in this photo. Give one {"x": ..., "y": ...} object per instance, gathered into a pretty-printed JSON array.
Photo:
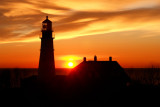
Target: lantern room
[
  {"x": 47, "y": 25},
  {"x": 47, "y": 29}
]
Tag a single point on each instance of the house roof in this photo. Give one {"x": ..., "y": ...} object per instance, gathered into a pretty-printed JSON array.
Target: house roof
[
  {"x": 107, "y": 71},
  {"x": 104, "y": 67}
]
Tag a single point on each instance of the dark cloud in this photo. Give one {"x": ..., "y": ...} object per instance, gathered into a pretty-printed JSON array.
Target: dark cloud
[
  {"x": 50, "y": 6},
  {"x": 34, "y": 34},
  {"x": 6, "y": 34},
  {"x": 129, "y": 16},
  {"x": 71, "y": 26},
  {"x": 148, "y": 13}
]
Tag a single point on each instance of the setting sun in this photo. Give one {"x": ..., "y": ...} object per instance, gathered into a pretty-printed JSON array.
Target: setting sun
[
  {"x": 70, "y": 64},
  {"x": 70, "y": 61}
]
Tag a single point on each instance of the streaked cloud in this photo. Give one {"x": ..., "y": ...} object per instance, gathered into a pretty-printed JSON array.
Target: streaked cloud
[{"x": 21, "y": 19}]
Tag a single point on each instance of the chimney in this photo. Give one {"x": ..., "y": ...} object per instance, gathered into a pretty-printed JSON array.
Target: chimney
[
  {"x": 46, "y": 17},
  {"x": 84, "y": 59},
  {"x": 95, "y": 58},
  {"x": 110, "y": 58}
]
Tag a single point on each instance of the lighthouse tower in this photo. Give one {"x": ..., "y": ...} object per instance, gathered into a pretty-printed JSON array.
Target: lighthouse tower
[{"x": 46, "y": 70}]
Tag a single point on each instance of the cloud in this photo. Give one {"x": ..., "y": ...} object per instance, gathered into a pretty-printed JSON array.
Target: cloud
[
  {"x": 105, "y": 5},
  {"x": 103, "y": 22},
  {"x": 21, "y": 20}
]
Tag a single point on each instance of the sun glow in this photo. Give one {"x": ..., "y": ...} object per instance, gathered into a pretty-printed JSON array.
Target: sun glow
[
  {"x": 70, "y": 61},
  {"x": 70, "y": 64},
  {"x": 70, "y": 58}
]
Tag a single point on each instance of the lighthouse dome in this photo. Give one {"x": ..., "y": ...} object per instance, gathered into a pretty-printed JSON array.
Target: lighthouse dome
[{"x": 47, "y": 20}]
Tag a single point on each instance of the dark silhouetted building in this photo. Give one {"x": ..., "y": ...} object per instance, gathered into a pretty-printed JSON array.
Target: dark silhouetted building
[
  {"x": 99, "y": 73},
  {"x": 46, "y": 69}
]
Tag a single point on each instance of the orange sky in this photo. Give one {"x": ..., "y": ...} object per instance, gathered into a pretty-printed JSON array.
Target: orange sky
[{"x": 127, "y": 30}]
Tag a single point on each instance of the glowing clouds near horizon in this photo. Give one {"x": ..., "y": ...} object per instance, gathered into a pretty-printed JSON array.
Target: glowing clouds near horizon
[
  {"x": 69, "y": 61},
  {"x": 69, "y": 57}
]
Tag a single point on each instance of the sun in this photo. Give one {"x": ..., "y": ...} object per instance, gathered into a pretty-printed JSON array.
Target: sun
[{"x": 70, "y": 64}]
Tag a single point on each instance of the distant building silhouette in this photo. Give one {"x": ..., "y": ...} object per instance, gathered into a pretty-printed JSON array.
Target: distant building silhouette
[
  {"x": 84, "y": 59},
  {"x": 95, "y": 58},
  {"x": 110, "y": 58},
  {"x": 46, "y": 68}
]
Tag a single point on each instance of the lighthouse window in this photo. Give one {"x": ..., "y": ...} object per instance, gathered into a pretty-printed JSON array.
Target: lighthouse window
[{"x": 44, "y": 26}]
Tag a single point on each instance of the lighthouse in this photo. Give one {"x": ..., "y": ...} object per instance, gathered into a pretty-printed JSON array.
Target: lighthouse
[{"x": 46, "y": 70}]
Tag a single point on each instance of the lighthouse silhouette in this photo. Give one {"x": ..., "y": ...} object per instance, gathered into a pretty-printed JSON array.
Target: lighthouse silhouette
[{"x": 46, "y": 70}]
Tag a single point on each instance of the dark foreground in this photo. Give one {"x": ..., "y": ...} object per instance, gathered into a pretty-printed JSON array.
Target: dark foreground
[
  {"x": 144, "y": 90},
  {"x": 131, "y": 96}
]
